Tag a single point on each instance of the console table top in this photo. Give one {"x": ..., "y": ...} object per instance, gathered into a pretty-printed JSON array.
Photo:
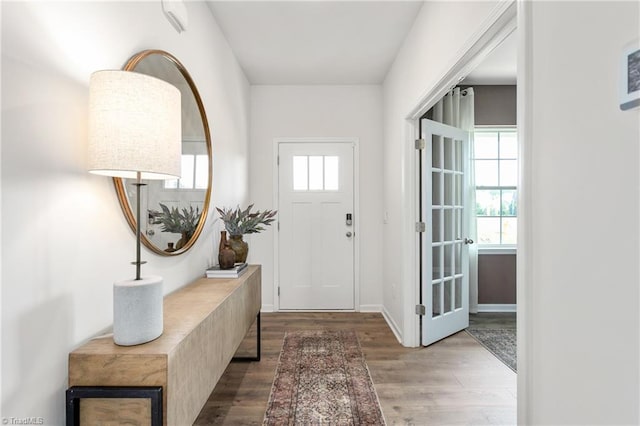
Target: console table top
[{"x": 183, "y": 310}]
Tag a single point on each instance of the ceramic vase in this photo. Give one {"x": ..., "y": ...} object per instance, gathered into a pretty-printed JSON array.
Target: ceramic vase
[
  {"x": 240, "y": 247},
  {"x": 226, "y": 256}
]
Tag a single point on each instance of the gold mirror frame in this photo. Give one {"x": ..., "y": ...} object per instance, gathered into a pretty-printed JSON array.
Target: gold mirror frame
[{"x": 119, "y": 184}]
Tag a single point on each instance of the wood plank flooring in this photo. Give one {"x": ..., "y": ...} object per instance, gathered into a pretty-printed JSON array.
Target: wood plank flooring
[{"x": 453, "y": 382}]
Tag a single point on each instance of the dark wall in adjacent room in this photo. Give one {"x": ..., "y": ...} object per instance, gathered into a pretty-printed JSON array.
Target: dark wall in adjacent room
[
  {"x": 496, "y": 106},
  {"x": 497, "y": 279}
]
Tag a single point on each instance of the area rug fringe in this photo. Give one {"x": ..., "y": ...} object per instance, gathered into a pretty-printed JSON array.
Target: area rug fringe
[{"x": 322, "y": 379}]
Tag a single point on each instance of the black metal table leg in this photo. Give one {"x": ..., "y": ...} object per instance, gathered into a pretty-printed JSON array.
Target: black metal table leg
[{"x": 75, "y": 393}]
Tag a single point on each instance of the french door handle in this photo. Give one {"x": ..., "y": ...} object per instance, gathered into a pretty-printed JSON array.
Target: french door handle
[{"x": 468, "y": 241}]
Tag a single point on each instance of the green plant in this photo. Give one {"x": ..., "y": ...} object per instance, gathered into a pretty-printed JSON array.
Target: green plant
[
  {"x": 176, "y": 221},
  {"x": 239, "y": 222}
]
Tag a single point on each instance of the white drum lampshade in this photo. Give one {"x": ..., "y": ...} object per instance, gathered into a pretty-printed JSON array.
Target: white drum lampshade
[
  {"x": 135, "y": 132},
  {"x": 134, "y": 126}
]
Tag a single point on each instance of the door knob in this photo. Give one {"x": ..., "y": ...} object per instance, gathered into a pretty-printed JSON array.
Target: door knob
[
  {"x": 349, "y": 234},
  {"x": 468, "y": 241}
]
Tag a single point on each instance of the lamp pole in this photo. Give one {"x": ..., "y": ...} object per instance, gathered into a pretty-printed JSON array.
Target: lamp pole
[{"x": 138, "y": 184}]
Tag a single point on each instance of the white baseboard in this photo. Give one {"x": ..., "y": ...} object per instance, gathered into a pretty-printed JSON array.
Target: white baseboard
[
  {"x": 392, "y": 325},
  {"x": 489, "y": 307},
  {"x": 370, "y": 308},
  {"x": 266, "y": 308}
]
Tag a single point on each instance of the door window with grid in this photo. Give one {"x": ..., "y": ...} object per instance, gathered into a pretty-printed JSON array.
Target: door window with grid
[{"x": 496, "y": 180}]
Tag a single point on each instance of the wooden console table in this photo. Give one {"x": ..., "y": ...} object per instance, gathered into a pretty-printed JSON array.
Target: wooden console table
[{"x": 204, "y": 323}]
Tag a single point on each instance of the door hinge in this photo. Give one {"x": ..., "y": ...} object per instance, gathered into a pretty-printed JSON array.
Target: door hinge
[
  {"x": 421, "y": 144},
  {"x": 278, "y": 290},
  {"x": 421, "y": 227},
  {"x": 421, "y": 310},
  {"x": 278, "y": 226},
  {"x": 278, "y": 160}
]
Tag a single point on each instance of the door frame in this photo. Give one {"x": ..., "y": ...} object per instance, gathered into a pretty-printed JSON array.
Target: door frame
[
  {"x": 504, "y": 19},
  {"x": 494, "y": 30},
  {"x": 356, "y": 214}
]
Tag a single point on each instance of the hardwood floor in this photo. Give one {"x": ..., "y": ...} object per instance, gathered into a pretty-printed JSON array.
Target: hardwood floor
[{"x": 452, "y": 382}]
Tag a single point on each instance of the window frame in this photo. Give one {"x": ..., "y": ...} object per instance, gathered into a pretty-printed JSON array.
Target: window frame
[{"x": 495, "y": 248}]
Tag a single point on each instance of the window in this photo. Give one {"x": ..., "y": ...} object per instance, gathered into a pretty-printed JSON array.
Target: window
[
  {"x": 496, "y": 173},
  {"x": 315, "y": 173},
  {"x": 195, "y": 173}
]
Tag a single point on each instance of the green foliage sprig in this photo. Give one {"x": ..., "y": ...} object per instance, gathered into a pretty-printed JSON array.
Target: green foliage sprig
[
  {"x": 239, "y": 222},
  {"x": 174, "y": 220}
]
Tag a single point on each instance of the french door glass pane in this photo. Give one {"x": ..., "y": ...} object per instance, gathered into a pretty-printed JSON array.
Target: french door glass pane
[
  {"x": 485, "y": 145},
  {"x": 448, "y": 153},
  {"x": 448, "y": 289},
  {"x": 448, "y": 225},
  {"x": 458, "y": 290},
  {"x": 436, "y": 150},
  {"x": 448, "y": 189},
  {"x": 458, "y": 227},
  {"x": 436, "y": 191},
  {"x": 509, "y": 230},
  {"x": 435, "y": 299},
  {"x": 458, "y": 165},
  {"x": 488, "y": 229},
  {"x": 436, "y": 256},
  {"x": 436, "y": 220},
  {"x": 487, "y": 173},
  {"x": 458, "y": 190},
  {"x": 448, "y": 261},
  {"x": 458, "y": 258}
]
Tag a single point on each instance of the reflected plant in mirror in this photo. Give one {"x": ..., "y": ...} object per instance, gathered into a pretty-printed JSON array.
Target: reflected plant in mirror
[
  {"x": 177, "y": 209},
  {"x": 177, "y": 221}
]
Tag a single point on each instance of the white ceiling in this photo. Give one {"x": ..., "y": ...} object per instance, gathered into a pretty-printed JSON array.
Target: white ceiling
[
  {"x": 315, "y": 42},
  {"x": 332, "y": 42}
]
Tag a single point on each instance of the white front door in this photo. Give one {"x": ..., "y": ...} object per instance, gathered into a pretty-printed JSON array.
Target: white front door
[
  {"x": 316, "y": 221},
  {"x": 444, "y": 250}
]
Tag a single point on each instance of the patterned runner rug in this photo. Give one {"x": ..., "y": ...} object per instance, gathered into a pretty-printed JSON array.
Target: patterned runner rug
[{"x": 322, "y": 379}]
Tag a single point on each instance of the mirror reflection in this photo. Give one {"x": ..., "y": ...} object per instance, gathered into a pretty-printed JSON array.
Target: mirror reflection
[{"x": 175, "y": 209}]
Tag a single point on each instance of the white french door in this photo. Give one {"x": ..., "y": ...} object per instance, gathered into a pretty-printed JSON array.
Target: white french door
[
  {"x": 444, "y": 250},
  {"x": 316, "y": 222}
]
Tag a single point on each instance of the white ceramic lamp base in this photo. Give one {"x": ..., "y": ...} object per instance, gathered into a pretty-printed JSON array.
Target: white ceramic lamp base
[{"x": 137, "y": 311}]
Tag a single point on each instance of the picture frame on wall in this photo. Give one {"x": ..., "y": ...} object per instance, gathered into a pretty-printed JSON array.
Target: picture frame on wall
[{"x": 630, "y": 76}]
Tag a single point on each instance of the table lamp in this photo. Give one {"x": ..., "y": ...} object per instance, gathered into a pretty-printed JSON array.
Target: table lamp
[{"x": 135, "y": 133}]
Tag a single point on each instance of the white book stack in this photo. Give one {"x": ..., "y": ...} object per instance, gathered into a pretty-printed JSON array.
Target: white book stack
[{"x": 237, "y": 270}]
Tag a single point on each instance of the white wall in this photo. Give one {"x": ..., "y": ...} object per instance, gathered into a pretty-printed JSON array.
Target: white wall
[
  {"x": 320, "y": 111},
  {"x": 435, "y": 41},
  {"x": 64, "y": 237},
  {"x": 582, "y": 255}
]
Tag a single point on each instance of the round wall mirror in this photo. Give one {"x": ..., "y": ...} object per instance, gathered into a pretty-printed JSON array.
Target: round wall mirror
[{"x": 173, "y": 211}]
